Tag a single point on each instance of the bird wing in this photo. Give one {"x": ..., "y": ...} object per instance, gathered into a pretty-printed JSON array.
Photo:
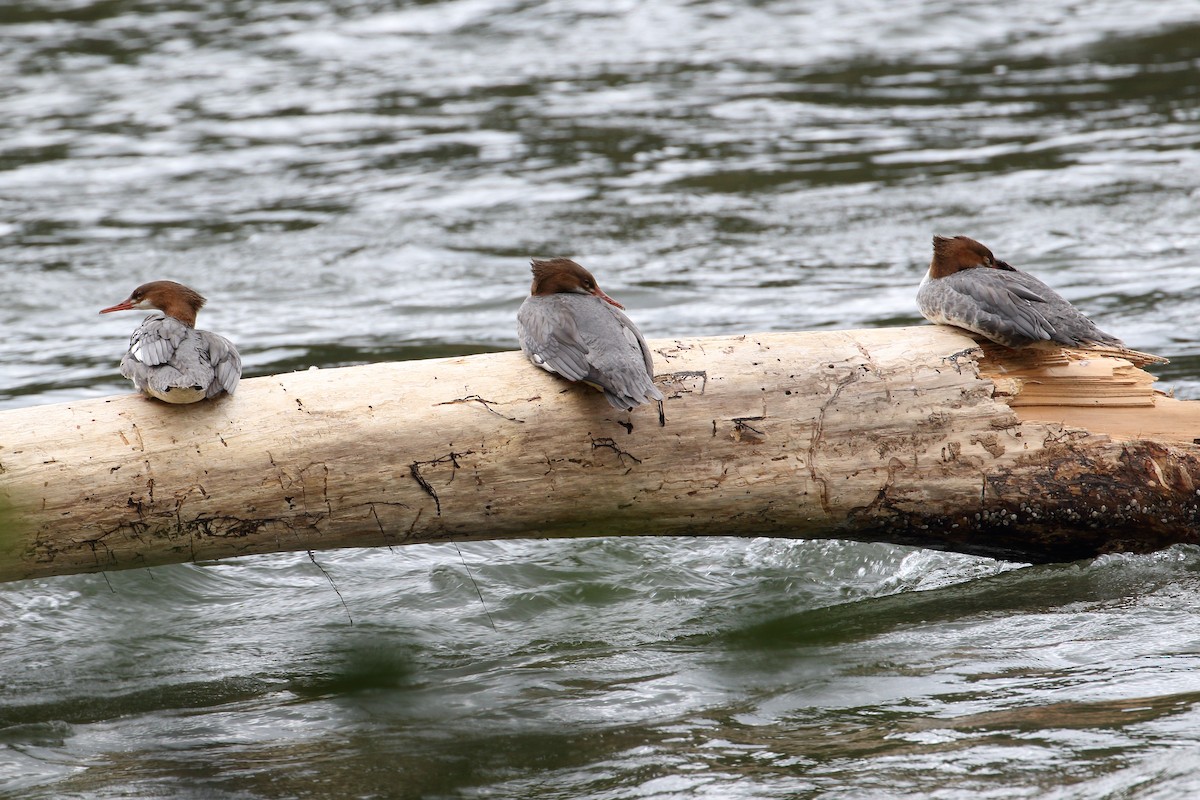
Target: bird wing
[
  {"x": 622, "y": 364},
  {"x": 152, "y": 349},
  {"x": 225, "y": 360},
  {"x": 550, "y": 337},
  {"x": 983, "y": 301},
  {"x": 1017, "y": 306},
  {"x": 582, "y": 338},
  {"x": 1070, "y": 325},
  {"x": 1010, "y": 307},
  {"x": 155, "y": 341}
]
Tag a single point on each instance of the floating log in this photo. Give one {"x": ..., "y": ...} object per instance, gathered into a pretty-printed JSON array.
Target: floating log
[{"x": 914, "y": 436}]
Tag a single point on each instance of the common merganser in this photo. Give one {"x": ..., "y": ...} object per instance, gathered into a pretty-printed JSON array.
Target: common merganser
[
  {"x": 968, "y": 287},
  {"x": 168, "y": 358},
  {"x": 568, "y": 326}
]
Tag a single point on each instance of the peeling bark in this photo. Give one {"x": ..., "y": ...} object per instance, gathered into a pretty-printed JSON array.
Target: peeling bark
[{"x": 914, "y": 436}]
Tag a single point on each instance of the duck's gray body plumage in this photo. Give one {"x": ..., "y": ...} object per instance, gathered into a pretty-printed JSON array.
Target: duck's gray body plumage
[
  {"x": 176, "y": 363},
  {"x": 583, "y": 338},
  {"x": 1009, "y": 307}
]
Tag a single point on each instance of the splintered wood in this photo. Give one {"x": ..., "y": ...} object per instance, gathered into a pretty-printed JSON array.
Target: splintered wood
[
  {"x": 1061, "y": 377},
  {"x": 1103, "y": 391}
]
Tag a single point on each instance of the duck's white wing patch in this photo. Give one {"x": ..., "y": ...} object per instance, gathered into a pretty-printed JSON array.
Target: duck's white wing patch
[{"x": 156, "y": 340}]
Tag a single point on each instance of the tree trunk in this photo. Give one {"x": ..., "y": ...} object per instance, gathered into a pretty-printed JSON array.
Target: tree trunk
[{"x": 913, "y": 436}]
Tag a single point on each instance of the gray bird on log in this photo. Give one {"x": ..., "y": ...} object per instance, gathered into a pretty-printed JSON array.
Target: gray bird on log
[
  {"x": 570, "y": 327},
  {"x": 968, "y": 287},
  {"x": 168, "y": 358}
]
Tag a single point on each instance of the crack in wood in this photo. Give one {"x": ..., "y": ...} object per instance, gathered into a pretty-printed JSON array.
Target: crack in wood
[
  {"x": 874, "y": 368},
  {"x": 415, "y": 469},
  {"x": 612, "y": 445},
  {"x": 579, "y": 462},
  {"x": 739, "y": 424},
  {"x": 487, "y": 405},
  {"x": 745, "y": 433},
  {"x": 375, "y": 513},
  {"x": 679, "y": 377},
  {"x": 881, "y": 499},
  {"x": 973, "y": 353},
  {"x": 325, "y": 492},
  {"x": 818, "y": 437},
  {"x": 680, "y": 347},
  {"x": 216, "y": 527}
]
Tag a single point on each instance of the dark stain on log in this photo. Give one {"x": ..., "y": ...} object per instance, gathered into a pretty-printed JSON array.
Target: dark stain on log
[
  {"x": 989, "y": 442},
  {"x": 1070, "y": 501},
  {"x": 229, "y": 527}
]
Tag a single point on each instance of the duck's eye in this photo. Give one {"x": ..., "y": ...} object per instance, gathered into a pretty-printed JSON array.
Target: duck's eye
[
  {"x": 987, "y": 261},
  {"x": 589, "y": 285}
]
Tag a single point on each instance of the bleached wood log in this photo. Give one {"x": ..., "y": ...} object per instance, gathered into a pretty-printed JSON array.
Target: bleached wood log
[{"x": 913, "y": 436}]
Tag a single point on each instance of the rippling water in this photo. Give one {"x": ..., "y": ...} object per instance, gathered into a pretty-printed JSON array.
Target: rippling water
[{"x": 363, "y": 181}]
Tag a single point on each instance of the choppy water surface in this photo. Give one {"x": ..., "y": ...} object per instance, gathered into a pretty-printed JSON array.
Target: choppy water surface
[{"x": 362, "y": 181}]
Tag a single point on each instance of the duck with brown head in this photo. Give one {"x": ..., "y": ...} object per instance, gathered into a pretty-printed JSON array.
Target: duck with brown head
[
  {"x": 570, "y": 327},
  {"x": 168, "y": 358},
  {"x": 968, "y": 287}
]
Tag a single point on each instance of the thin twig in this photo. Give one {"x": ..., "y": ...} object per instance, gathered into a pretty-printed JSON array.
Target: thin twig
[
  {"x": 476, "y": 585},
  {"x": 313, "y": 558}
]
